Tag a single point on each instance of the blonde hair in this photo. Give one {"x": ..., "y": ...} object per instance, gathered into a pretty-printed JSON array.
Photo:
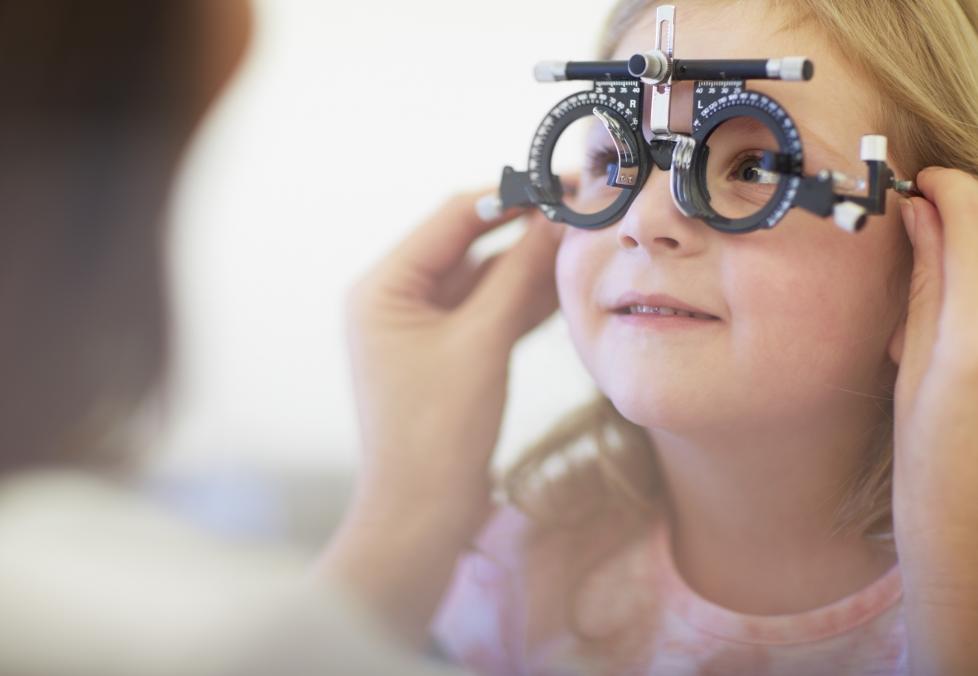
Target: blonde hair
[{"x": 929, "y": 110}]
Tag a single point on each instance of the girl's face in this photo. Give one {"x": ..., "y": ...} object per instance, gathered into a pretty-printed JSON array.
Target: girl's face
[{"x": 806, "y": 311}]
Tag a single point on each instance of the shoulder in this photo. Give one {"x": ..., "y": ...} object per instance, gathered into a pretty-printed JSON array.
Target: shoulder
[
  {"x": 50, "y": 517},
  {"x": 117, "y": 582}
]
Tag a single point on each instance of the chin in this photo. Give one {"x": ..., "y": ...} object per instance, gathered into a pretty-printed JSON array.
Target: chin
[{"x": 653, "y": 408}]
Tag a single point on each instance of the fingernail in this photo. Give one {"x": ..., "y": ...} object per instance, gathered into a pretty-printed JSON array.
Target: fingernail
[{"x": 909, "y": 219}]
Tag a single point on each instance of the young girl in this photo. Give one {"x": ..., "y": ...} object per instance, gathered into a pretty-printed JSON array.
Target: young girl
[{"x": 786, "y": 488}]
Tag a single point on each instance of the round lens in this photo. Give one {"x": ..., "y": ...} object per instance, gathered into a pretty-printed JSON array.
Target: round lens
[
  {"x": 585, "y": 159},
  {"x": 738, "y": 186}
]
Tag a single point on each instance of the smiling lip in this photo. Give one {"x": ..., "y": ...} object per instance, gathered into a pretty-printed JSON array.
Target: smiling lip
[{"x": 633, "y": 298}]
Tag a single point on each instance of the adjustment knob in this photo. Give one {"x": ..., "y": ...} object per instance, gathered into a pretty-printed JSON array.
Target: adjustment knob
[
  {"x": 652, "y": 65},
  {"x": 873, "y": 148},
  {"x": 550, "y": 71},
  {"x": 849, "y": 216},
  {"x": 489, "y": 207}
]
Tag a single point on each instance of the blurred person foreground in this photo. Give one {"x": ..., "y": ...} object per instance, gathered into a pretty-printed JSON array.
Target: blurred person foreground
[{"x": 98, "y": 100}]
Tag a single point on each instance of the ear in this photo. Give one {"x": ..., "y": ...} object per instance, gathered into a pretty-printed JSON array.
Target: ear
[{"x": 895, "y": 347}]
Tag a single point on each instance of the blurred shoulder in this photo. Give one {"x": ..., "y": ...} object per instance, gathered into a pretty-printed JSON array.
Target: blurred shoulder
[
  {"x": 119, "y": 583},
  {"x": 87, "y": 517}
]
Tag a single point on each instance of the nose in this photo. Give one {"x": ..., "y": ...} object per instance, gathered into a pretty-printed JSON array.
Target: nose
[{"x": 654, "y": 223}]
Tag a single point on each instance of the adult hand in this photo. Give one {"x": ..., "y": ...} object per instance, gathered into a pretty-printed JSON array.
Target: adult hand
[
  {"x": 935, "y": 492},
  {"x": 430, "y": 337}
]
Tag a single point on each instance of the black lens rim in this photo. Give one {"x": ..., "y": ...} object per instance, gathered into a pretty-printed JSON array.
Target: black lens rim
[
  {"x": 546, "y": 192},
  {"x": 547, "y": 184},
  {"x": 776, "y": 119}
]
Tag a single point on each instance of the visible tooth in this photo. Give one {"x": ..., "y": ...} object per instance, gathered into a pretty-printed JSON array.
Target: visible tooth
[
  {"x": 663, "y": 311},
  {"x": 654, "y": 310}
]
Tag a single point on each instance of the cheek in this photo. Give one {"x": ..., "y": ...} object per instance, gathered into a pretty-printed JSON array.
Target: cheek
[
  {"x": 577, "y": 266},
  {"x": 580, "y": 260},
  {"x": 819, "y": 303}
]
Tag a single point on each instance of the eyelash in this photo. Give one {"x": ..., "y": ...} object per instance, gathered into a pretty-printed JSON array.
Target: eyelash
[
  {"x": 742, "y": 160},
  {"x": 598, "y": 160}
]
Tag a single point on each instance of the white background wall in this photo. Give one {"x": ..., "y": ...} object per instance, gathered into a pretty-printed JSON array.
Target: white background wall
[{"x": 348, "y": 124}]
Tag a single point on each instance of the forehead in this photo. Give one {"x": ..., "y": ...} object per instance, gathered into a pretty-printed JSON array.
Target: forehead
[{"x": 832, "y": 110}]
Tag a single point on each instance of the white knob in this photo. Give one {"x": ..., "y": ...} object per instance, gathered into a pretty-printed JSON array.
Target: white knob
[
  {"x": 849, "y": 216},
  {"x": 489, "y": 207},
  {"x": 550, "y": 71},
  {"x": 873, "y": 148}
]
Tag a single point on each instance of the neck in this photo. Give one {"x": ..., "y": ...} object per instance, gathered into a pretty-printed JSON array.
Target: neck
[{"x": 753, "y": 514}]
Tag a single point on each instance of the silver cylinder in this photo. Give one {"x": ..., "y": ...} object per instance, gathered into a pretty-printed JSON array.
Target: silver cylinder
[
  {"x": 550, "y": 71},
  {"x": 656, "y": 66},
  {"x": 791, "y": 68}
]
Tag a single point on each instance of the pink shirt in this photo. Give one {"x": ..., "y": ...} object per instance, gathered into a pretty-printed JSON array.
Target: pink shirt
[{"x": 483, "y": 620}]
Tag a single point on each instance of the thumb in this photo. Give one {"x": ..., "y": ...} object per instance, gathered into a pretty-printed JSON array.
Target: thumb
[
  {"x": 923, "y": 225},
  {"x": 519, "y": 292}
]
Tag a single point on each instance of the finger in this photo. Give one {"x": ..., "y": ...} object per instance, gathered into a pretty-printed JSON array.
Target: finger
[
  {"x": 438, "y": 245},
  {"x": 955, "y": 194},
  {"x": 538, "y": 221},
  {"x": 923, "y": 225},
  {"x": 519, "y": 291},
  {"x": 458, "y": 284}
]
